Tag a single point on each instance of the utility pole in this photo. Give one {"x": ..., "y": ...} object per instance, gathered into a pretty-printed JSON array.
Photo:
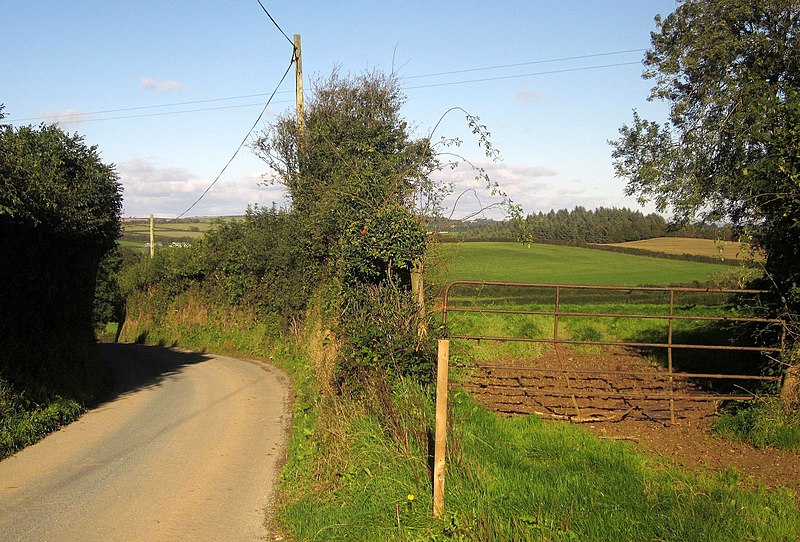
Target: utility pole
[
  {"x": 152, "y": 238},
  {"x": 298, "y": 75}
]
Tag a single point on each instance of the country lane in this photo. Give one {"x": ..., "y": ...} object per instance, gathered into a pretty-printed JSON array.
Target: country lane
[{"x": 187, "y": 447}]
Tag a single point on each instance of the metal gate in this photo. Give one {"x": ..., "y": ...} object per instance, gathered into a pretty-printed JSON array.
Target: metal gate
[
  {"x": 774, "y": 330},
  {"x": 672, "y": 299}
]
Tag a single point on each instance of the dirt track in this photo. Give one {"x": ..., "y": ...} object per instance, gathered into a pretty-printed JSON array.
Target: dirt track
[{"x": 187, "y": 448}]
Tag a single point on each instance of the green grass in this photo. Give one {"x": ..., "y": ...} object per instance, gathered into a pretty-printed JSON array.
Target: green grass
[
  {"x": 514, "y": 262},
  {"x": 352, "y": 468},
  {"x": 23, "y": 422},
  {"x": 761, "y": 423}
]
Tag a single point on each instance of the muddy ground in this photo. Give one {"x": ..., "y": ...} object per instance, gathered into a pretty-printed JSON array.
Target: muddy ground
[{"x": 620, "y": 394}]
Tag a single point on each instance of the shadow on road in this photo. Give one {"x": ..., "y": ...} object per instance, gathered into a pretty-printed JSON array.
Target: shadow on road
[{"x": 134, "y": 367}]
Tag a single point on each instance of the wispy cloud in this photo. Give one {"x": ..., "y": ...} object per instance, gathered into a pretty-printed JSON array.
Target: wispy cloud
[
  {"x": 168, "y": 191},
  {"x": 528, "y": 96},
  {"x": 161, "y": 86},
  {"x": 67, "y": 116}
]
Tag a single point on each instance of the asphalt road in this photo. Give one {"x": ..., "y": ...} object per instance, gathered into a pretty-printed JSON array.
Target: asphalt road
[{"x": 188, "y": 447}]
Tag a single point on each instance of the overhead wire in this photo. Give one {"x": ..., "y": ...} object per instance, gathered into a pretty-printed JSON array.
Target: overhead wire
[
  {"x": 244, "y": 140},
  {"x": 260, "y": 115},
  {"x": 528, "y": 63},
  {"x": 518, "y": 76},
  {"x": 275, "y": 23},
  {"x": 86, "y": 116},
  {"x": 157, "y": 106}
]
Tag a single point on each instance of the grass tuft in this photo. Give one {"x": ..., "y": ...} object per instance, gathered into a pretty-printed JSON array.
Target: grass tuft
[{"x": 762, "y": 423}]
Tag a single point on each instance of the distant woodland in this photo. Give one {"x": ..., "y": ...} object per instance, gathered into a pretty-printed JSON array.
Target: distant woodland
[{"x": 577, "y": 227}]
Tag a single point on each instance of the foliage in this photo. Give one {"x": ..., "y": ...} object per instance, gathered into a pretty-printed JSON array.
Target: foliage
[
  {"x": 730, "y": 70},
  {"x": 601, "y": 225},
  {"x": 385, "y": 247},
  {"x": 354, "y": 174},
  {"x": 766, "y": 422},
  {"x": 59, "y": 215},
  {"x": 381, "y": 323},
  {"x": 22, "y": 423},
  {"x": 109, "y": 302},
  {"x": 354, "y": 157}
]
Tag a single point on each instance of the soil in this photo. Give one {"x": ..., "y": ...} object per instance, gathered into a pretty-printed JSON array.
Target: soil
[{"x": 621, "y": 395}]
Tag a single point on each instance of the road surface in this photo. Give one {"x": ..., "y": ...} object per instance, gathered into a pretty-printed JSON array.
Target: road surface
[{"x": 188, "y": 447}]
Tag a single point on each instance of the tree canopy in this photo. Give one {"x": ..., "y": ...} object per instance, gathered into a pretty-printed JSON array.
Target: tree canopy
[
  {"x": 354, "y": 160},
  {"x": 730, "y": 150},
  {"x": 59, "y": 215}
]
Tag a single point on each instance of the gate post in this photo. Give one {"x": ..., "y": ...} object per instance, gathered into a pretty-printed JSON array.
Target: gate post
[{"x": 441, "y": 427}]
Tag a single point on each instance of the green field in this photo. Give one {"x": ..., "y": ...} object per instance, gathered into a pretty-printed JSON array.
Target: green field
[
  {"x": 552, "y": 264},
  {"x": 514, "y": 262}
]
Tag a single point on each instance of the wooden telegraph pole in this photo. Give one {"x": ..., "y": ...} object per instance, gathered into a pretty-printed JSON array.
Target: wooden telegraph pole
[
  {"x": 152, "y": 237},
  {"x": 298, "y": 75}
]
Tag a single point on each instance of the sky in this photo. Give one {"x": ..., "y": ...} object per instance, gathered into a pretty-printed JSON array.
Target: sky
[{"x": 168, "y": 91}]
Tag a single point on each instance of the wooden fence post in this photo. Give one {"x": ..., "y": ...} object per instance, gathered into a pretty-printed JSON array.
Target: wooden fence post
[
  {"x": 418, "y": 289},
  {"x": 441, "y": 427}
]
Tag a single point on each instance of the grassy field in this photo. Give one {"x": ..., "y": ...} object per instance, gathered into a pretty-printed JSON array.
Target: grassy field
[
  {"x": 514, "y": 262},
  {"x": 710, "y": 248},
  {"x": 511, "y": 262}
]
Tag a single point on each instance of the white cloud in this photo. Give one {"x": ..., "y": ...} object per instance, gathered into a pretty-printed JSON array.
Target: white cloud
[
  {"x": 162, "y": 86},
  {"x": 168, "y": 191},
  {"x": 522, "y": 183},
  {"x": 528, "y": 96},
  {"x": 67, "y": 116}
]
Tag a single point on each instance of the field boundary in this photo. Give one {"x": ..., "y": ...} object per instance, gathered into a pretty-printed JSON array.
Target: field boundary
[{"x": 670, "y": 345}]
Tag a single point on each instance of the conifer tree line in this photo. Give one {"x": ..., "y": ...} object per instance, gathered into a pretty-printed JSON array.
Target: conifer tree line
[{"x": 580, "y": 226}]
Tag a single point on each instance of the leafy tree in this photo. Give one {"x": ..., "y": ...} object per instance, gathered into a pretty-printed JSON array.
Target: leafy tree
[
  {"x": 59, "y": 215},
  {"x": 355, "y": 157},
  {"x": 730, "y": 71}
]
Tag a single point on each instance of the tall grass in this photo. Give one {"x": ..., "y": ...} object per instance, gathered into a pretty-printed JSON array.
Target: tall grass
[{"x": 766, "y": 422}]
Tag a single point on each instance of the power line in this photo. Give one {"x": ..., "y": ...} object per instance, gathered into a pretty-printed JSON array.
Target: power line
[
  {"x": 288, "y": 68},
  {"x": 165, "y": 113},
  {"x": 567, "y": 70},
  {"x": 276, "y": 25},
  {"x": 172, "y": 104},
  {"x": 453, "y": 72},
  {"x": 529, "y": 63}
]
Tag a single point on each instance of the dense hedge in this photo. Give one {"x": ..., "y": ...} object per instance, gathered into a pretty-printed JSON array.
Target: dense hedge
[{"x": 59, "y": 215}]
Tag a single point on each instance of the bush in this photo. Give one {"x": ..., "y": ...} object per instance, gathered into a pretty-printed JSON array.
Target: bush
[{"x": 380, "y": 328}]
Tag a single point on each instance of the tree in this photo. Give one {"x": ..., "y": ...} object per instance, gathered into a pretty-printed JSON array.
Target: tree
[
  {"x": 730, "y": 151},
  {"x": 59, "y": 215},
  {"x": 354, "y": 158}
]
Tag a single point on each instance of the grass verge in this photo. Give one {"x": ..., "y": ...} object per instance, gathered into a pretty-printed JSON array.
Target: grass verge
[
  {"x": 358, "y": 471},
  {"x": 23, "y": 422}
]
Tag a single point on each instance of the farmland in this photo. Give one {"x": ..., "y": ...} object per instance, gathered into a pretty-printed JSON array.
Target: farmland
[
  {"x": 136, "y": 231},
  {"x": 514, "y": 262},
  {"x": 710, "y": 248}
]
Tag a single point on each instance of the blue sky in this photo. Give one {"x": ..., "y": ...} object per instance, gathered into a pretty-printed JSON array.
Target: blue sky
[{"x": 115, "y": 72}]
